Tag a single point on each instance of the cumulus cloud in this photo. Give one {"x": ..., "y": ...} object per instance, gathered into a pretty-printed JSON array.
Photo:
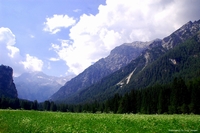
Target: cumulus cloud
[
  {"x": 32, "y": 63},
  {"x": 117, "y": 22},
  {"x": 55, "y": 23},
  {"x": 6, "y": 36},
  {"x": 70, "y": 55},
  {"x": 10, "y": 55}
]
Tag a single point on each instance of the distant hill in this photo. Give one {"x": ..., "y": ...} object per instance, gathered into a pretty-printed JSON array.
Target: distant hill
[
  {"x": 38, "y": 86},
  {"x": 7, "y": 86},
  {"x": 175, "y": 55},
  {"x": 118, "y": 58}
]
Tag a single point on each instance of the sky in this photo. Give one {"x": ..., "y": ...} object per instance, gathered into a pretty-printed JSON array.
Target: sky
[{"x": 64, "y": 37}]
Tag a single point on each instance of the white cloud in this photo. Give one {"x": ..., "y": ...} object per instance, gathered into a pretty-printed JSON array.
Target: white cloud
[
  {"x": 122, "y": 21},
  {"x": 55, "y": 23},
  {"x": 54, "y": 59},
  {"x": 10, "y": 55},
  {"x": 13, "y": 51},
  {"x": 6, "y": 36},
  {"x": 70, "y": 55},
  {"x": 32, "y": 63}
]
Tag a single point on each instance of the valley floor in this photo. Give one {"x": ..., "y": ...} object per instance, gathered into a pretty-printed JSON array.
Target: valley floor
[{"x": 21, "y": 121}]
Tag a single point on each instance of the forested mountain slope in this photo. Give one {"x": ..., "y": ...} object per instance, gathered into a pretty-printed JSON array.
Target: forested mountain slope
[{"x": 175, "y": 55}]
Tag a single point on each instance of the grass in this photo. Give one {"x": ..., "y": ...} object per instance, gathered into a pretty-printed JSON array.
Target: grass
[{"x": 18, "y": 121}]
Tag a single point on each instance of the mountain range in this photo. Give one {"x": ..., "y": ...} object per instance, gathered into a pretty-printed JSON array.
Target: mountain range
[
  {"x": 38, "y": 86},
  {"x": 159, "y": 61}
]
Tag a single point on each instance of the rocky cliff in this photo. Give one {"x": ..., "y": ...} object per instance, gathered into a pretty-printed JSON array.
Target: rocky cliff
[{"x": 7, "y": 86}]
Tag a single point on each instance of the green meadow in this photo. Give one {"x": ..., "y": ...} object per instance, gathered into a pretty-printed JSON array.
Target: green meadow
[{"x": 21, "y": 121}]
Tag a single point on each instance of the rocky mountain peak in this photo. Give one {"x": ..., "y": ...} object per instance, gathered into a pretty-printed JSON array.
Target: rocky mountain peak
[{"x": 182, "y": 34}]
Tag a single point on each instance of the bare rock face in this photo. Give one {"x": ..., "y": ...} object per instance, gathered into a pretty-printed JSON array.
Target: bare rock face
[
  {"x": 7, "y": 86},
  {"x": 182, "y": 34}
]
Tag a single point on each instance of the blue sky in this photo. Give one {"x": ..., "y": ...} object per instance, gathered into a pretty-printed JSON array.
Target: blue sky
[{"x": 63, "y": 37}]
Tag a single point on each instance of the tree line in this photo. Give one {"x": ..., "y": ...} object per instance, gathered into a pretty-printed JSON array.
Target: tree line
[{"x": 175, "y": 98}]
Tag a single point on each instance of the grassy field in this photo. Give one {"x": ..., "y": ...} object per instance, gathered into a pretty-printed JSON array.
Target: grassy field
[{"x": 12, "y": 121}]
